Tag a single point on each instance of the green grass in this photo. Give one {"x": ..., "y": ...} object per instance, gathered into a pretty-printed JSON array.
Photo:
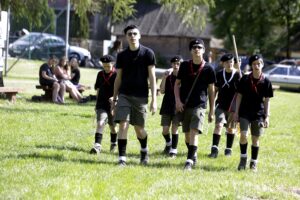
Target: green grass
[{"x": 44, "y": 154}]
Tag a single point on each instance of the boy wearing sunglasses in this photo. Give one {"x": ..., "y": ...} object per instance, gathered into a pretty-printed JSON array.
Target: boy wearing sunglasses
[{"x": 194, "y": 84}]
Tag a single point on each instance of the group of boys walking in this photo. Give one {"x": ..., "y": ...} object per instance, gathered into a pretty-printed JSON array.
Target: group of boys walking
[{"x": 122, "y": 97}]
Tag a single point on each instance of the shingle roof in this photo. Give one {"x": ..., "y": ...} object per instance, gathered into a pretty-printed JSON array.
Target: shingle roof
[{"x": 156, "y": 20}]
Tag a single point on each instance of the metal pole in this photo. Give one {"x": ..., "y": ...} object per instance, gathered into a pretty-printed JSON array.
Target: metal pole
[
  {"x": 7, "y": 41},
  {"x": 67, "y": 28}
]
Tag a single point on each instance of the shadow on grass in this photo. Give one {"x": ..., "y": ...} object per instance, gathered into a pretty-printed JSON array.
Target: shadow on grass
[
  {"x": 22, "y": 110},
  {"x": 78, "y": 149}
]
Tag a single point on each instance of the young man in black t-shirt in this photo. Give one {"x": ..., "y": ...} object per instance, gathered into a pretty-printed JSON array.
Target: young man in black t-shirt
[
  {"x": 47, "y": 78},
  {"x": 105, "y": 88},
  {"x": 225, "y": 88},
  {"x": 135, "y": 65},
  {"x": 193, "y": 107},
  {"x": 253, "y": 109},
  {"x": 168, "y": 109}
]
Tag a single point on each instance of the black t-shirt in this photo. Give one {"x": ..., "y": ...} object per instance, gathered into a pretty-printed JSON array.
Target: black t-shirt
[
  {"x": 76, "y": 77},
  {"x": 226, "y": 89},
  {"x": 254, "y": 91},
  {"x": 134, "y": 65},
  {"x": 105, "y": 84},
  {"x": 187, "y": 74},
  {"x": 45, "y": 67},
  {"x": 168, "y": 103}
]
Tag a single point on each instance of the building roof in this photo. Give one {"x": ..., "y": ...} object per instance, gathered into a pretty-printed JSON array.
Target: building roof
[{"x": 157, "y": 20}]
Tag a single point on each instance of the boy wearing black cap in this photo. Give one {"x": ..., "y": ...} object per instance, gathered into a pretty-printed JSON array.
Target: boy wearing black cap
[
  {"x": 168, "y": 109},
  {"x": 225, "y": 89},
  {"x": 135, "y": 65},
  {"x": 253, "y": 109},
  {"x": 194, "y": 83},
  {"x": 105, "y": 87}
]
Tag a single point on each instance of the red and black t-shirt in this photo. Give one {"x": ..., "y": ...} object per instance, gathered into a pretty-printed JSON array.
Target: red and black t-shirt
[
  {"x": 105, "y": 84},
  {"x": 253, "y": 92},
  {"x": 227, "y": 86},
  {"x": 187, "y": 74},
  {"x": 134, "y": 65},
  {"x": 168, "y": 103}
]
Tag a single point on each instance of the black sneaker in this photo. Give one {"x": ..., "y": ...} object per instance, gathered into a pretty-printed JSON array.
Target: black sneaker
[
  {"x": 167, "y": 149},
  {"x": 122, "y": 163},
  {"x": 243, "y": 163},
  {"x": 172, "y": 155},
  {"x": 113, "y": 147},
  {"x": 228, "y": 152},
  {"x": 188, "y": 166},
  {"x": 144, "y": 158},
  {"x": 253, "y": 166},
  {"x": 96, "y": 149},
  {"x": 214, "y": 152},
  {"x": 83, "y": 100}
]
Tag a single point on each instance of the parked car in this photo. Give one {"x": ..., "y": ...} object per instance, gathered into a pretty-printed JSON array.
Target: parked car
[
  {"x": 293, "y": 62},
  {"x": 285, "y": 76},
  {"x": 41, "y": 45}
]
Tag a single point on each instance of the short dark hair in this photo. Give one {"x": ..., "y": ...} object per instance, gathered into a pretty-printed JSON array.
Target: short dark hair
[{"x": 129, "y": 27}]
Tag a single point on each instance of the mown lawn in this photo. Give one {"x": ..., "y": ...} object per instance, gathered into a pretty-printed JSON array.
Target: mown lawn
[{"x": 44, "y": 154}]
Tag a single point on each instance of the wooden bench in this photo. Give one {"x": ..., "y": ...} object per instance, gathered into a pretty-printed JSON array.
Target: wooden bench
[
  {"x": 10, "y": 93},
  {"x": 48, "y": 91}
]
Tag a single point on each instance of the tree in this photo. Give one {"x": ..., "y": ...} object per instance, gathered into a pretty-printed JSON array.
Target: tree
[
  {"x": 258, "y": 25},
  {"x": 118, "y": 10}
]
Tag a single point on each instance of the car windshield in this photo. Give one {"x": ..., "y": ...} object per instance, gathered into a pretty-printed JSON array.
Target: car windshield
[{"x": 30, "y": 37}]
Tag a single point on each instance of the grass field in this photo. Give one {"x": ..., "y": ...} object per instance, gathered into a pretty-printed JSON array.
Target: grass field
[{"x": 44, "y": 154}]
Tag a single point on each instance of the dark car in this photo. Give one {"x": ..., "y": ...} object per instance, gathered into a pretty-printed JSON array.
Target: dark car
[{"x": 40, "y": 45}]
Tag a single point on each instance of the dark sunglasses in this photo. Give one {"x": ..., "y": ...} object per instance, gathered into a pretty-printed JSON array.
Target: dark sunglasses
[
  {"x": 132, "y": 33},
  {"x": 197, "y": 47}
]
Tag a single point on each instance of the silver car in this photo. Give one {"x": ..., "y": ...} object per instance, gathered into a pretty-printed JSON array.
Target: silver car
[
  {"x": 285, "y": 76},
  {"x": 40, "y": 45}
]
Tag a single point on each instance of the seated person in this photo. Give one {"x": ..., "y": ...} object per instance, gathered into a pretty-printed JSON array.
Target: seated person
[
  {"x": 75, "y": 74},
  {"x": 62, "y": 72},
  {"x": 47, "y": 78}
]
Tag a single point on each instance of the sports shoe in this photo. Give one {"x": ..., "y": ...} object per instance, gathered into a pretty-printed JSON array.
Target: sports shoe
[
  {"x": 113, "y": 147},
  {"x": 167, "y": 149},
  {"x": 214, "y": 152},
  {"x": 96, "y": 149},
  {"x": 173, "y": 153},
  {"x": 188, "y": 165},
  {"x": 253, "y": 166},
  {"x": 228, "y": 152},
  {"x": 144, "y": 158},
  {"x": 122, "y": 163},
  {"x": 242, "y": 164}
]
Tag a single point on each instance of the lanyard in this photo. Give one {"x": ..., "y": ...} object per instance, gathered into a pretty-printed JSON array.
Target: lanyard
[
  {"x": 106, "y": 79},
  {"x": 201, "y": 66},
  {"x": 224, "y": 77},
  {"x": 254, "y": 85}
]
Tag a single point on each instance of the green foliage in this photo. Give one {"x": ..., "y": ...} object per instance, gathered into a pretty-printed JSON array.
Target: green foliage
[
  {"x": 44, "y": 154},
  {"x": 33, "y": 14},
  {"x": 193, "y": 11},
  {"x": 256, "y": 24}
]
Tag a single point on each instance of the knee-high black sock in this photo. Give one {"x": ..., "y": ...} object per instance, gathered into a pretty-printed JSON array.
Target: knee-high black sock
[
  {"x": 98, "y": 138},
  {"x": 113, "y": 138},
  {"x": 254, "y": 152},
  {"x": 143, "y": 142},
  {"x": 122, "y": 143},
  {"x": 187, "y": 145},
  {"x": 174, "y": 141},
  {"x": 216, "y": 139},
  {"x": 167, "y": 137},
  {"x": 229, "y": 141},
  {"x": 192, "y": 151},
  {"x": 243, "y": 148}
]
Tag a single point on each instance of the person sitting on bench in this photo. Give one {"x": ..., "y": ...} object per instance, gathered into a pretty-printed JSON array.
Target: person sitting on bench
[
  {"x": 47, "y": 78},
  {"x": 63, "y": 73}
]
